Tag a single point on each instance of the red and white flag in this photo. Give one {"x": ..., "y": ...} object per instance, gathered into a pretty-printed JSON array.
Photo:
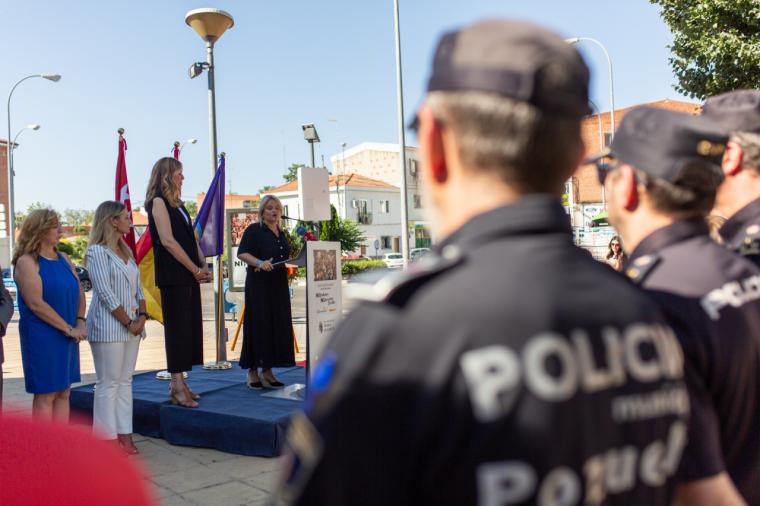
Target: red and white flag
[{"x": 122, "y": 189}]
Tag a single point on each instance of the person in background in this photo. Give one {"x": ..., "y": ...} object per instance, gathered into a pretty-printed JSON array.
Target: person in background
[
  {"x": 268, "y": 326},
  {"x": 180, "y": 266},
  {"x": 6, "y": 313},
  {"x": 738, "y": 197},
  {"x": 51, "y": 307},
  {"x": 115, "y": 322},
  {"x": 615, "y": 254},
  {"x": 660, "y": 188}
]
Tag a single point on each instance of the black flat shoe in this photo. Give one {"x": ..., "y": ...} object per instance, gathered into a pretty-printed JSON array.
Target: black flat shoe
[
  {"x": 254, "y": 385},
  {"x": 271, "y": 384}
]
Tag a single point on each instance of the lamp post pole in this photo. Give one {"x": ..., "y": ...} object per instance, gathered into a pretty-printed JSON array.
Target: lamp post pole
[
  {"x": 210, "y": 25},
  {"x": 10, "y": 212},
  {"x": 575, "y": 40},
  {"x": 401, "y": 140},
  {"x": 601, "y": 146}
]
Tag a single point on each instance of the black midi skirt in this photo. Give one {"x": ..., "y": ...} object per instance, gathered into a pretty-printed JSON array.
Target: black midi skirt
[{"x": 183, "y": 326}]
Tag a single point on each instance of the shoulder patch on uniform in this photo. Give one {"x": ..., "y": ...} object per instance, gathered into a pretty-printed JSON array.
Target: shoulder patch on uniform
[
  {"x": 389, "y": 288},
  {"x": 750, "y": 242},
  {"x": 641, "y": 267}
]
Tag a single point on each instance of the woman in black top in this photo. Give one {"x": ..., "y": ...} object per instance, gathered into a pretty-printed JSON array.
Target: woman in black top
[
  {"x": 179, "y": 267},
  {"x": 267, "y": 328}
]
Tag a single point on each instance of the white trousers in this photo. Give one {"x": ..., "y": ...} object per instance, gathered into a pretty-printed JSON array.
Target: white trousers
[{"x": 114, "y": 366}]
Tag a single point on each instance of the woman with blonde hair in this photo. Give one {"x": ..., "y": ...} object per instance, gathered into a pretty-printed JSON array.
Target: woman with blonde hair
[
  {"x": 267, "y": 327},
  {"x": 115, "y": 322},
  {"x": 51, "y": 307},
  {"x": 179, "y": 266}
]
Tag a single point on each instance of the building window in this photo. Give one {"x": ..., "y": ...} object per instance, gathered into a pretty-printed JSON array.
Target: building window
[
  {"x": 417, "y": 201},
  {"x": 385, "y": 242},
  {"x": 363, "y": 215},
  {"x": 285, "y": 211},
  {"x": 385, "y": 206},
  {"x": 607, "y": 139}
]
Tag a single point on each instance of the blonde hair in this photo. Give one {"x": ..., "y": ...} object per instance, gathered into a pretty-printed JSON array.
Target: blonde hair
[
  {"x": 161, "y": 183},
  {"x": 34, "y": 227},
  {"x": 103, "y": 232},
  {"x": 263, "y": 205}
]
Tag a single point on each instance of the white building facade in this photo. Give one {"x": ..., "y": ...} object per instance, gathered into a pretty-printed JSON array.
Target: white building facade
[
  {"x": 373, "y": 204},
  {"x": 380, "y": 161}
]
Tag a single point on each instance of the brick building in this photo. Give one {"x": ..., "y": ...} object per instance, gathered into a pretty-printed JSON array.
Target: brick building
[
  {"x": 585, "y": 185},
  {"x": 4, "y": 217}
]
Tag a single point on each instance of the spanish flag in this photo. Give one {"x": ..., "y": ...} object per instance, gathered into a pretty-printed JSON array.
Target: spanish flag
[{"x": 144, "y": 259}]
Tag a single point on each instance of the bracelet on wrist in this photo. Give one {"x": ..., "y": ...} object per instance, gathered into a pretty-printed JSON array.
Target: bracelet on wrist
[
  {"x": 259, "y": 263},
  {"x": 143, "y": 313},
  {"x": 128, "y": 324},
  {"x": 82, "y": 318}
]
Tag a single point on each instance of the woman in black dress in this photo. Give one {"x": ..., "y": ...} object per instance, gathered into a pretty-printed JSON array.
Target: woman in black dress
[
  {"x": 267, "y": 328},
  {"x": 179, "y": 266}
]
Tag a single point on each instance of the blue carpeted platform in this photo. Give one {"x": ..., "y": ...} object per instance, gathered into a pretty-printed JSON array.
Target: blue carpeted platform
[{"x": 231, "y": 417}]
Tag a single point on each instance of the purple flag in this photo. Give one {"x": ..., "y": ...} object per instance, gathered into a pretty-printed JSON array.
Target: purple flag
[{"x": 209, "y": 225}]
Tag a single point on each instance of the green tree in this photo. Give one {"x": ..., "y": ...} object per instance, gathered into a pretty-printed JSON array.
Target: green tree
[
  {"x": 266, "y": 188},
  {"x": 292, "y": 173},
  {"x": 346, "y": 232},
  {"x": 192, "y": 208},
  {"x": 716, "y": 44},
  {"x": 34, "y": 206}
]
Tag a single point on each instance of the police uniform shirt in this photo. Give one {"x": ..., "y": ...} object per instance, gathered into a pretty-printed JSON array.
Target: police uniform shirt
[
  {"x": 511, "y": 369},
  {"x": 741, "y": 232},
  {"x": 712, "y": 298}
]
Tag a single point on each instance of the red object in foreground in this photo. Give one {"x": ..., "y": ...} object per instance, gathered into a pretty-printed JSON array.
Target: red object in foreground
[{"x": 47, "y": 463}]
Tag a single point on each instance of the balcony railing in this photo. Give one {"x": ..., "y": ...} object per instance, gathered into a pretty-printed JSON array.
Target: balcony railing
[{"x": 364, "y": 218}]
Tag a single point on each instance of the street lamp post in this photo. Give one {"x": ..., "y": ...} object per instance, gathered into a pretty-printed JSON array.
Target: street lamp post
[
  {"x": 189, "y": 141},
  {"x": 401, "y": 140},
  {"x": 601, "y": 146},
  {"x": 210, "y": 25},
  {"x": 9, "y": 164},
  {"x": 575, "y": 40}
]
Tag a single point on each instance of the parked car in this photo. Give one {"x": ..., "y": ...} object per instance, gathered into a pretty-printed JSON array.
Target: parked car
[
  {"x": 393, "y": 260},
  {"x": 417, "y": 253},
  {"x": 84, "y": 278}
]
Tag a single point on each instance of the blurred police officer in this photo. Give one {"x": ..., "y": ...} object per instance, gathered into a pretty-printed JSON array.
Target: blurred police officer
[
  {"x": 738, "y": 197},
  {"x": 659, "y": 189},
  {"x": 510, "y": 368}
]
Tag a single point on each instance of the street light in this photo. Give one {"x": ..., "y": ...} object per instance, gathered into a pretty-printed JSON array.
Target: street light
[
  {"x": 189, "y": 141},
  {"x": 27, "y": 127},
  {"x": 9, "y": 161},
  {"x": 311, "y": 136},
  {"x": 575, "y": 40},
  {"x": 210, "y": 25}
]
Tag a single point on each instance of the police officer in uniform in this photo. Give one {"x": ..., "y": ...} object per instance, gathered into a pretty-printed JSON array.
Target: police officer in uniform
[
  {"x": 738, "y": 198},
  {"x": 510, "y": 367},
  {"x": 659, "y": 189}
]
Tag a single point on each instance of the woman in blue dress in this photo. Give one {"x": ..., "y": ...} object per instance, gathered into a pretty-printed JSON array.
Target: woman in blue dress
[{"x": 51, "y": 308}]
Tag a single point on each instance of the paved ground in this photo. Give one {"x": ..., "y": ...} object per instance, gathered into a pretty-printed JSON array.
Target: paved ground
[{"x": 178, "y": 475}]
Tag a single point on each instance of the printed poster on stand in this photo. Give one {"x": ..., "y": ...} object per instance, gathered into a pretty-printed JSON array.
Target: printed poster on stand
[{"x": 323, "y": 292}]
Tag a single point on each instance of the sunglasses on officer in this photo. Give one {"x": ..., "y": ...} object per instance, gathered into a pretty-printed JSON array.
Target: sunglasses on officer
[{"x": 603, "y": 170}]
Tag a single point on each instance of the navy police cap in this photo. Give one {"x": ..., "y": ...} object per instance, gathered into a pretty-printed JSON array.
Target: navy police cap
[
  {"x": 736, "y": 111},
  {"x": 516, "y": 59},
  {"x": 660, "y": 142}
]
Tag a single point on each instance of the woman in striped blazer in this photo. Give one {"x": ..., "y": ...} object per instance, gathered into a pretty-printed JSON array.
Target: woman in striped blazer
[{"x": 115, "y": 322}]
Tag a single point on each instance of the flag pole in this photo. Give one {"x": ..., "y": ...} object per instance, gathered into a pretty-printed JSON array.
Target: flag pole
[{"x": 220, "y": 329}]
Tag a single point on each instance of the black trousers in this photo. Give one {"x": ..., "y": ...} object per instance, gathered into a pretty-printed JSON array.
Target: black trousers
[{"x": 183, "y": 326}]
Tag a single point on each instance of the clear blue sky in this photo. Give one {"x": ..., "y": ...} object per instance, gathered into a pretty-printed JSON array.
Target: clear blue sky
[{"x": 124, "y": 64}]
